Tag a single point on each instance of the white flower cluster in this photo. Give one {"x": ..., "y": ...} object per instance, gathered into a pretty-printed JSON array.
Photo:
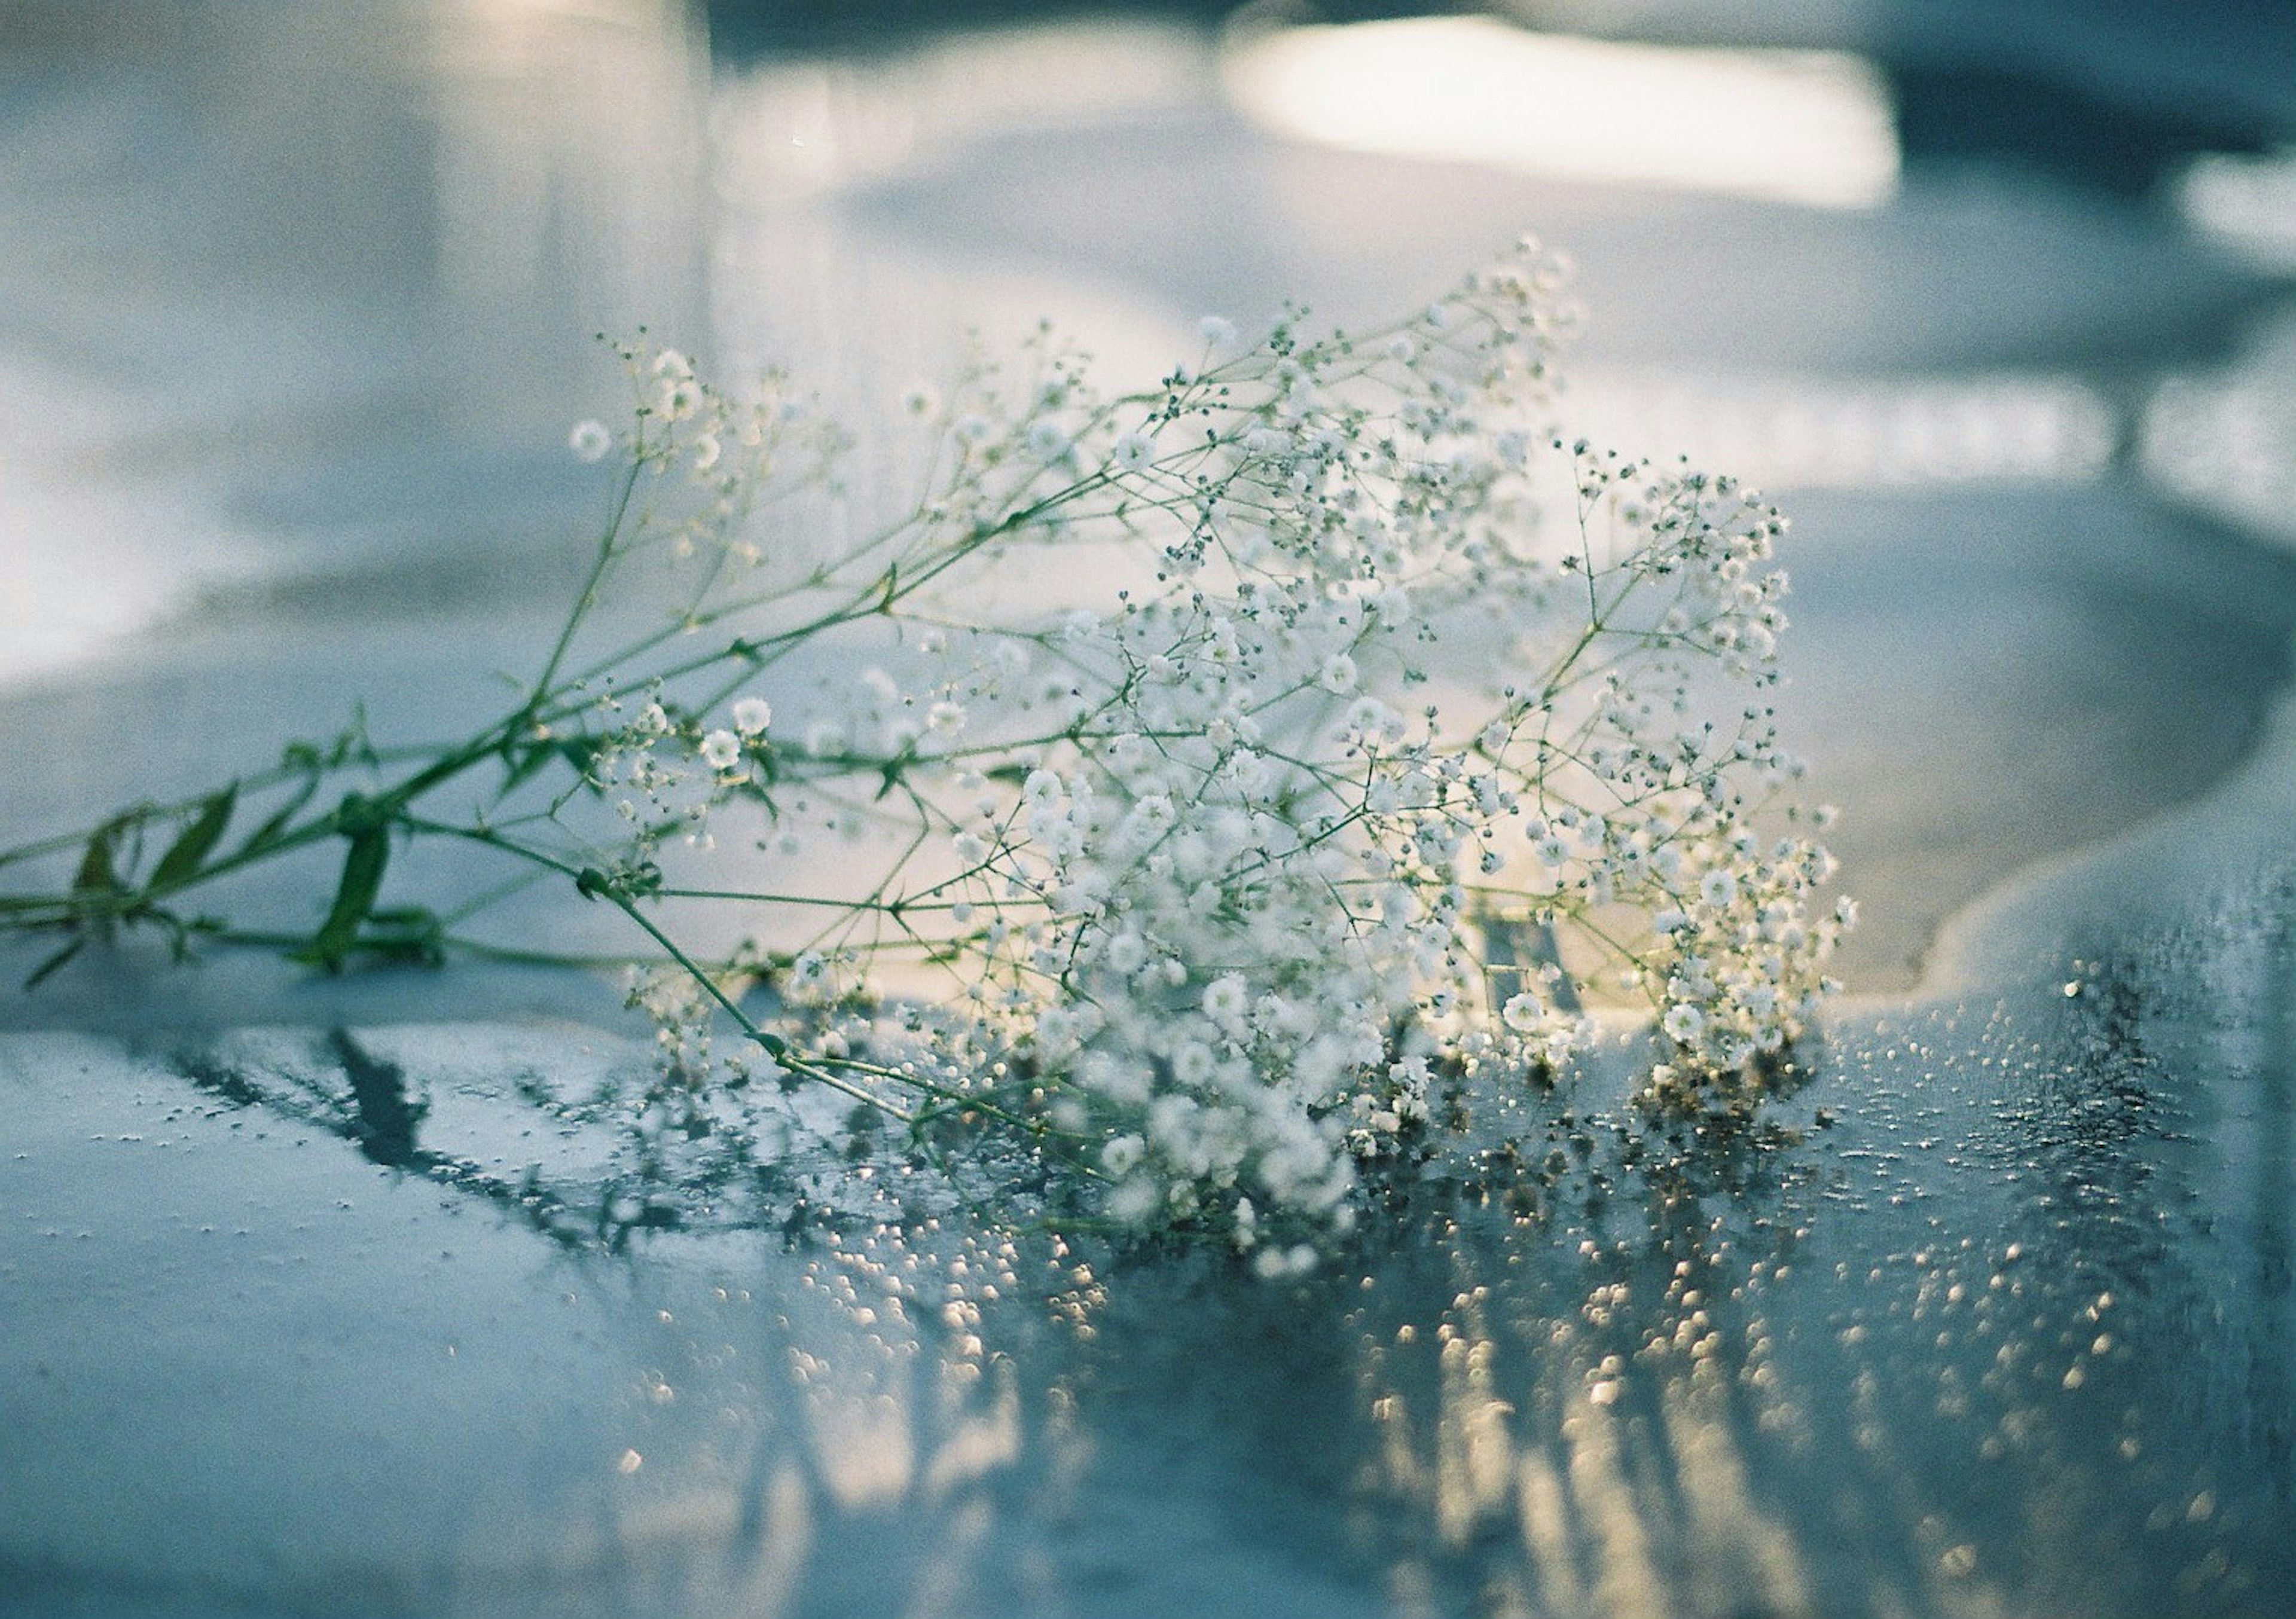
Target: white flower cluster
[{"x": 1386, "y": 757}]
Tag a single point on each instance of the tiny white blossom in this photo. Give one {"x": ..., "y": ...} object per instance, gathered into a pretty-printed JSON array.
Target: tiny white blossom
[
  {"x": 752, "y": 715},
  {"x": 721, "y": 750},
  {"x": 590, "y": 441},
  {"x": 1132, "y": 1202},
  {"x": 1227, "y": 1000},
  {"x": 1135, "y": 451}
]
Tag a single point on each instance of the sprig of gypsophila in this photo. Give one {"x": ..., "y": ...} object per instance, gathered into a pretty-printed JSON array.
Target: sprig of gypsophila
[{"x": 1374, "y": 749}]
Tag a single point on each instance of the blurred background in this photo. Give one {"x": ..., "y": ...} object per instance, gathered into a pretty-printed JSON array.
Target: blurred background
[{"x": 297, "y": 303}]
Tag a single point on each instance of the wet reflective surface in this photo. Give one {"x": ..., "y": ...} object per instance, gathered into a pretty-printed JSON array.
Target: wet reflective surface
[
  {"x": 1995, "y": 1316},
  {"x": 357, "y": 1296}
]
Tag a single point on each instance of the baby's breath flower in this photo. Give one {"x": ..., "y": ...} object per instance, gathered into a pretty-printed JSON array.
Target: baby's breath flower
[
  {"x": 752, "y": 715},
  {"x": 1210, "y": 866},
  {"x": 1522, "y": 1013},
  {"x": 590, "y": 441}
]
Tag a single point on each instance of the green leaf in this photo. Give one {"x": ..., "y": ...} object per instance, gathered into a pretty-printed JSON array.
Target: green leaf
[
  {"x": 182, "y": 861},
  {"x": 351, "y": 745},
  {"x": 355, "y": 892},
  {"x": 407, "y": 933},
  {"x": 95, "y": 875},
  {"x": 270, "y": 829}
]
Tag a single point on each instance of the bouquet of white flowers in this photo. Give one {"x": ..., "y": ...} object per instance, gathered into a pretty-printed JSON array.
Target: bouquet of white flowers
[{"x": 1388, "y": 751}]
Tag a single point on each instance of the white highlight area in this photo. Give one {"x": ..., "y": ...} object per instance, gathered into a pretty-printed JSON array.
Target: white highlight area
[
  {"x": 1810, "y": 433},
  {"x": 2227, "y": 442},
  {"x": 2247, "y": 203},
  {"x": 1813, "y": 127}
]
